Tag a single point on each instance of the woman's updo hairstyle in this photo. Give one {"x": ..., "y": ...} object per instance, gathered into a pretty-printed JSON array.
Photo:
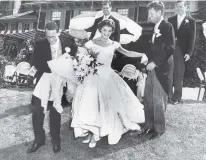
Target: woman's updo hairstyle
[{"x": 106, "y": 22}]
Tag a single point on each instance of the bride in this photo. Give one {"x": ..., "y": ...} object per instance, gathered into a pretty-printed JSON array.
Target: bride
[{"x": 103, "y": 104}]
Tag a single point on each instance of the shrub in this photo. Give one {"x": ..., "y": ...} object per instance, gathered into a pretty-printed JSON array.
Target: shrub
[
  {"x": 199, "y": 57},
  {"x": 26, "y": 52}
]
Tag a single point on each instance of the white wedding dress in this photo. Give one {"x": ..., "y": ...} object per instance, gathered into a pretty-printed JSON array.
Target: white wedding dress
[{"x": 104, "y": 104}]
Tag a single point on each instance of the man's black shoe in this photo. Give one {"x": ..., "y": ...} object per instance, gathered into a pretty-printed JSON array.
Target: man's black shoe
[
  {"x": 155, "y": 135},
  {"x": 175, "y": 102},
  {"x": 35, "y": 146},
  {"x": 170, "y": 101},
  {"x": 147, "y": 131},
  {"x": 56, "y": 148}
]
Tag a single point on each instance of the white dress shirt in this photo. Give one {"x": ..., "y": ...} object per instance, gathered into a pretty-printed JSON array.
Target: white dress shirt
[
  {"x": 156, "y": 28},
  {"x": 56, "y": 49},
  {"x": 106, "y": 17},
  {"x": 180, "y": 19}
]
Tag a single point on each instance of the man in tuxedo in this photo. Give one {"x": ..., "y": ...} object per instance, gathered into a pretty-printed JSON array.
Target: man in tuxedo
[
  {"x": 160, "y": 71},
  {"x": 106, "y": 8},
  {"x": 185, "y": 33},
  {"x": 45, "y": 50}
]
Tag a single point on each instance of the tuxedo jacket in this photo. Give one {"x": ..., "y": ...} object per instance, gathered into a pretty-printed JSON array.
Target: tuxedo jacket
[
  {"x": 42, "y": 54},
  {"x": 161, "y": 53},
  {"x": 186, "y": 34},
  {"x": 115, "y": 36}
]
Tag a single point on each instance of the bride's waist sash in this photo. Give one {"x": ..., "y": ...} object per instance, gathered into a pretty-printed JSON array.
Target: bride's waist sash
[{"x": 104, "y": 71}]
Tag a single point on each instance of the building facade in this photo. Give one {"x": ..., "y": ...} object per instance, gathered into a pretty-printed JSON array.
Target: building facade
[
  {"x": 62, "y": 12},
  {"x": 33, "y": 15}
]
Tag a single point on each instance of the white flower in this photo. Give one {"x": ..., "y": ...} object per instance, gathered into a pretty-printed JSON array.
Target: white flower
[
  {"x": 83, "y": 50},
  {"x": 87, "y": 59},
  {"x": 30, "y": 49},
  {"x": 80, "y": 55},
  {"x": 75, "y": 62},
  {"x": 186, "y": 21},
  {"x": 204, "y": 25},
  {"x": 204, "y": 29},
  {"x": 157, "y": 32},
  {"x": 67, "y": 49},
  {"x": 82, "y": 66}
]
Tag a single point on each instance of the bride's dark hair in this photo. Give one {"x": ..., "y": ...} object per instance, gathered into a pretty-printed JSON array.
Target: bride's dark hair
[{"x": 106, "y": 22}]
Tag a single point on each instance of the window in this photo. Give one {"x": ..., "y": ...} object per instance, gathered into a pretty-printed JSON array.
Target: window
[
  {"x": 168, "y": 14},
  {"x": 142, "y": 14},
  {"x": 83, "y": 12},
  {"x": 56, "y": 16},
  {"x": 26, "y": 26},
  {"x": 123, "y": 12},
  {"x": 14, "y": 27}
]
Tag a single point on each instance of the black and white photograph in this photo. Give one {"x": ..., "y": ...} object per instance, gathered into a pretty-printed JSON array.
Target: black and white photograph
[{"x": 103, "y": 80}]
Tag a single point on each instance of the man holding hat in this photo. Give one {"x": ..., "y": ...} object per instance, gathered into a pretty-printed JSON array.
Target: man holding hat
[
  {"x": 106, "y": 8},
  {"x": 45, "y": 50}
]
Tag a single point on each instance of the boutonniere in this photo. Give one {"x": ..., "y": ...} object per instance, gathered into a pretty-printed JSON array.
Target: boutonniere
[
  {"x": 204, "y": 25},
  {"x": 67, "y": 49},
  {"x": 157, "y": 32},
  {"x": 186, "y": 21}
]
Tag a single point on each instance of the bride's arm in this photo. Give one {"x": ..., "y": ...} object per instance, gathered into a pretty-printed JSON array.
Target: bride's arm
[
  {"x": 129, "y": 53},
  {"x": 92, "y": 50}
]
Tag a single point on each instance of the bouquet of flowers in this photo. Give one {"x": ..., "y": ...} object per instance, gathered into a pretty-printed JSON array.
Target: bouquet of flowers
[{"x": 85, "y": 64}]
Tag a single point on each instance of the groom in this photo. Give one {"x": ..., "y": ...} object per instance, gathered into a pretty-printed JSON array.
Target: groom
[
  {"x": 45, "y": 50},
  {"x": 160, "y": 72},
  {"x": 106, "y": 8}
]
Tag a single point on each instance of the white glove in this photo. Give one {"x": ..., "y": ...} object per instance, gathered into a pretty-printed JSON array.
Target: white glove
[{"x": 144, "y": 59}]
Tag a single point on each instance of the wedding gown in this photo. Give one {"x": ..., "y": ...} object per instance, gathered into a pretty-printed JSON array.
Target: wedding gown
[{"x": 104, "y": 104}]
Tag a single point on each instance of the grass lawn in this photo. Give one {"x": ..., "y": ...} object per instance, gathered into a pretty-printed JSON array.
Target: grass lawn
[{"x": 185, "y": 137}]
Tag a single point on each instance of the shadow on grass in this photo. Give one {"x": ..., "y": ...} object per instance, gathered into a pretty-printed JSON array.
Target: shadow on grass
[
  {"x": 20, "y": 89},
  {"x": 189, "y": 101},
  {"x": 17, "y": 111},
  {"x": 72, "y": 149}
]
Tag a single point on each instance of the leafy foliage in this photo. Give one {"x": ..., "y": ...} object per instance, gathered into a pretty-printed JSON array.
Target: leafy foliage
[
  {"x": 199, "y": 57},
  {"x": 26, "y": 52}
]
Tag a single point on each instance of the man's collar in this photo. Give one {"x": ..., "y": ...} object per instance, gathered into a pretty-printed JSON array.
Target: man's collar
[
  {"x": 157, "y": 25},
  {"x": 57, "y": 42},
  {"x": 106, "y": 17},
  {"x": 184, "y": 15}
]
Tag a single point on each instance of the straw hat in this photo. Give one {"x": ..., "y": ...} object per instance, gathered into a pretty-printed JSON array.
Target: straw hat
[{"x": 80, "y": 34}]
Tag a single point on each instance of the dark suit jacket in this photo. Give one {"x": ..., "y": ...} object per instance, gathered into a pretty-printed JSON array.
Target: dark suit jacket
[
  {"x": 186, "y": 34},
  {"x": 115, "y": 35},
  {"x": 161, "y": 53},
  {"x": 42, "y": 54}
]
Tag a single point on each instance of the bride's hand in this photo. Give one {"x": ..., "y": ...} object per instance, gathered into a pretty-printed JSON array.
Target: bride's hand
[
  {"x": 144, "y": 59},
  {"x": 94, "y": 54}
]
